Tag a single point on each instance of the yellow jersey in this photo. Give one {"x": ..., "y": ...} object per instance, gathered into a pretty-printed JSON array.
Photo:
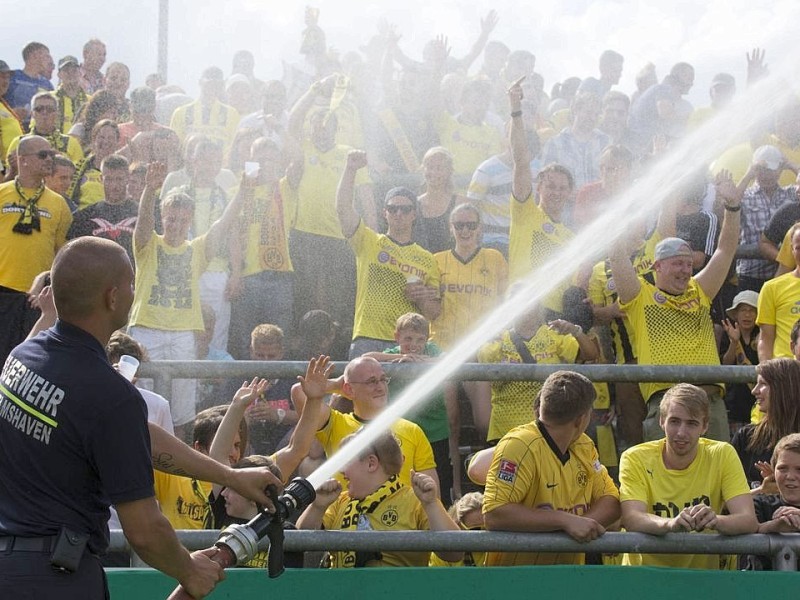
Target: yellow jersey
[
  {"x": 183, "y": 501},
  {"x": 512, "y": 401},
  {"x": 470, "y": 289},
  {"x": 218, "y": 122},
  {"x": 529, "y": 469},
  {"x": 533, "y": 239},
  {"x": 671, "y": 330},
  {"x": 470, "y": 145},
  {"x": 417, "y": 452},
  {"x": 383, "y": 269},
  {"x": 316, "y": 193}
]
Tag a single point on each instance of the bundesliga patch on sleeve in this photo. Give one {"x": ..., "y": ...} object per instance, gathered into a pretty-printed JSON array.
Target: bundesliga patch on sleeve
[{"x": 508, "y": 471}]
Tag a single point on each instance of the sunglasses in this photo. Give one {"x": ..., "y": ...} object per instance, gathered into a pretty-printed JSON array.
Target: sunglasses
[
  {"x": 43, "y": 154},
  {"x": 405, "y": 209},
  {"x": 471, "y": 225}
]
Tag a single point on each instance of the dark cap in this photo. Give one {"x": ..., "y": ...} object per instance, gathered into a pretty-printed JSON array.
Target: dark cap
[
  {"x": 67, "y": 61},
  {"x": 4, "y": 68}
]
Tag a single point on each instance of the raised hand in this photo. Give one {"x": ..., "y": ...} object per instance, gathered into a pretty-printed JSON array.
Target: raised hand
[
  {"x": 315, "y": 382},
  {"x": 756, "y": 67}
]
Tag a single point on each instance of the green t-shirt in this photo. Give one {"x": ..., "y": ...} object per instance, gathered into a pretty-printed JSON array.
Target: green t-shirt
[{"x": 430, "y": 415}]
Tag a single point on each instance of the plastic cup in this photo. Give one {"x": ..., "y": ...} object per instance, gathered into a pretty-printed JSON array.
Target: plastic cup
[{"x": 128, "y": 365}]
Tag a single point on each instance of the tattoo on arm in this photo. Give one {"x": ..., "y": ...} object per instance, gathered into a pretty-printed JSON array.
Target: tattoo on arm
[{"x": 165, "y": 462}]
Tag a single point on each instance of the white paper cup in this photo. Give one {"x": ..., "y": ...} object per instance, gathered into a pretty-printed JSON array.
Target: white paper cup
[{"x": 128, "y": 365}]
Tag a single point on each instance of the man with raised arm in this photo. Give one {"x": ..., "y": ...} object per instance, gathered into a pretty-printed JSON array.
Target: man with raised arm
[
  {"x": 683, "y": 482},
  {"x": 669, "y": 309},
  {"x": 394, "y": 275}
]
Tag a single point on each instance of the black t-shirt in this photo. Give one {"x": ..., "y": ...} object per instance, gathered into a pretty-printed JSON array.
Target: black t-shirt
[
  {"x": 786, "y": 216},
  {"x": 113, "y": 222},
  {"x": 265, "y": 436},
  {"x": 73, "y": 438},
  {"x": 749, "y": 457},
  {"x": 765, "y": 505},
  {"x": 739, "y": 400},
  {"x": 699, "y": 230}
]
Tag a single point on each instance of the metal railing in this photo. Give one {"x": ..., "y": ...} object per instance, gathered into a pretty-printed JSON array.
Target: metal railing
[
  {"x": 782, "y": 548},
  {"x": 162, "y": 372}
]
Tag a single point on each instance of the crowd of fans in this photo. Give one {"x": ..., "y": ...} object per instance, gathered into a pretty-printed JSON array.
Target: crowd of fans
[{"x": 373, "y": 206}]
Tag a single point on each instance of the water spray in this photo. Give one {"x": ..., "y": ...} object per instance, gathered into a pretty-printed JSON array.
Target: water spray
[{"x": 238, "y": 544}]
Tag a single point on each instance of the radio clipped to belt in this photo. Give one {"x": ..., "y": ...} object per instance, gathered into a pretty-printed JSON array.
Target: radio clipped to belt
[{"x": 68, "y": 550}]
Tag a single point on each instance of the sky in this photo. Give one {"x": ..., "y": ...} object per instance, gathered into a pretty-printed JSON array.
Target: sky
[{"x": 566, "y": 37}]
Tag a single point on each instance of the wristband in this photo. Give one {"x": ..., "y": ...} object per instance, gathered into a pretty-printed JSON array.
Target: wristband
[
  {"x": 281, "y": 415},
  {"x": 730, "y": 208},
  {"x": 516, "y": 113}
]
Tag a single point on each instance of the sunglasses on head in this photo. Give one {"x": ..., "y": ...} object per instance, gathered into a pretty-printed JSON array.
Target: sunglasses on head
[
  {"x": 471, "y": 225},
  {"x": 399, "y": 208}
]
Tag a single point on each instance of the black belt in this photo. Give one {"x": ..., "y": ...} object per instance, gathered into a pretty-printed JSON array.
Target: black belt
[{"x": 14, "y": 543}]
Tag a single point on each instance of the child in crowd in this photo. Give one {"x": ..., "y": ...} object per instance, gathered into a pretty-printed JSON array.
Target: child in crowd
[
  {"x": 467, "y": 513},
  {"x": 376, "y": 500},
  {"x": 781, "y": 513},
  {"x": 272, "y": 415},
  {"x": 434, "y": 416}
]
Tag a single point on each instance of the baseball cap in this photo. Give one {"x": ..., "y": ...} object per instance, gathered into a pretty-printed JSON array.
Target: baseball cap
[
  {"x": 769, "y": 156},
  {"x": 67, "y": 61},
  {"x": 724, "y": 79},
  {"x": 748, "y": 297},
  {"x": 4, "y": 68},
  {"x": 669, "y": 247}
]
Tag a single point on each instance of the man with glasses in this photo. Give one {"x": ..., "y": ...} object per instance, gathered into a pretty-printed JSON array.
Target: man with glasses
[
  {"x": 44, "y": 108},
  {"x": 33, "y": 225},
  {"x": 365, "y": 383},
  {"x": 394, "y": 275}
]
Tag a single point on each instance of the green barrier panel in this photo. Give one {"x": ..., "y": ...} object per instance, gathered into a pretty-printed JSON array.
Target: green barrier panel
[{"x": 562, "y": 582}]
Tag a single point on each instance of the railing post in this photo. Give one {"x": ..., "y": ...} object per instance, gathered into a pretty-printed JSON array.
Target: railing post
[{"x": 785, "y": 559}]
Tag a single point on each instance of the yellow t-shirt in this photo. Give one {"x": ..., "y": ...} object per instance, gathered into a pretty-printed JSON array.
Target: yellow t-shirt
[
  {"x": 779, "y": 305},
  {"x": 785, "y": 257},
  {"x": 736, "y": 159},
  {"x": 512, "y": 401},
  {"x": 183, "y": 501},
  {"x": 401, "y": 511},
  {"x": 714, "y": 477},
  {"x": 167, "y": 293},
  {"x": 470, "y": 290},
  {"x": 316, "y": 194},
  {"x": 383, "y": 268},
  {"x": 10, "y": 129},
  {"x": 22, "y": 256},
  {"x": 469, "y": 144},
  {"x": 209, "y": 204},
  {"x": 417, "y": 452},
  {"x": 69, "y": 108},
  {"x": 529, "y": 469},
  {"x": 266, "y": 221},
  {"x": 533, "y": 239},
  {"x": 671, "y": 330},
  {"x": 602, "y": 291},
  {"x": 219, "y": 123},
  {"x": 87, "y": 184}
]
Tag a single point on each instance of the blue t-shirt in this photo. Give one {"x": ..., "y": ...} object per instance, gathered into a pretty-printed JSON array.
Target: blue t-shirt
[
  {"x": 73, "y": 438},
  {"x": 23, "y": 87}
]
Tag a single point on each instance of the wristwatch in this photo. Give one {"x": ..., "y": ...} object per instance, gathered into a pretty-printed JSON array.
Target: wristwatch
[{"x": 281, "y": 415}]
